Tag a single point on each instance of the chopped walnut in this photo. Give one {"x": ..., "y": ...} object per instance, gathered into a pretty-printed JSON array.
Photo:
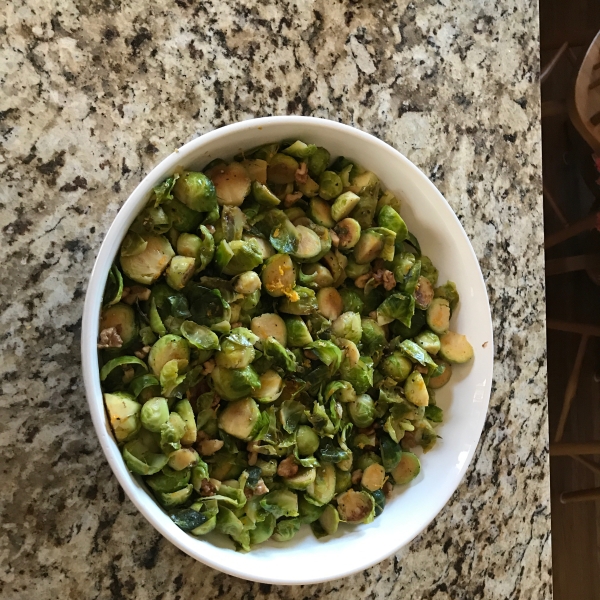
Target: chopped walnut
[
  {"x": 252, "y": 458},
  {"x": 357, "y": 476},
  {"x": 207, "y": 488},
  {"x": 209, "y": 367},
  {"x": 335, "y": 240},
  {"x": 361, "y": 281},
  {"x": 287, "y": 467},
  {"x": 236, "y": 324},
  {"x": 291, "y": 199},
  {"x": 209, "y": 447},
  {"x": 110, "y": 338},
  {"x": 385, "y": 278},
  {"x": 373, "y": 315},
  {"x": 302, "y": 173},
  {"x": 261, "y": 488},
  {"x": 421, "y": 369},
  {"x": 387, "y": 489},
  {"x": 211, "y": 228},
  {"x": 135, "y": 292},
  {"x": 143, "y": 352}
]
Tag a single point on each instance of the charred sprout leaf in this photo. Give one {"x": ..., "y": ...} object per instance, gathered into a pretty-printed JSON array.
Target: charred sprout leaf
[
  {"x": 278, "y": 355},
  {"x": 428, "y": 270},
  {"x": 121, "y": 361},
  {"x": 414, "y": 242},
  {"x": 359, "y": 375},
  {"x": 434, "y": 413},
  {"x": 291, "y": 414},
  {"x": 141, "y": 460},
  {"x": 396, "y": 306},
  {"x": 417, "y": 354},
  {"x": 187, "y": 519},
  {"x": 199, "y": 336},
  {"x": 390, "y": 452},
  {"x": 327, "y": 352},
  {"x": 114, "y": 287},
  {"x": 162, "y": 191},
  {"x": 281, "y": 503}
]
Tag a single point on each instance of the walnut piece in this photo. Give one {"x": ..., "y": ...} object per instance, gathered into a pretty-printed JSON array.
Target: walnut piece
[
  {"x": 357, "y": 476},
  {"x": 291, "y": 199},
  {"x": 135, "y": 292},
  {"x": 302, "y": 173},
  {"x": 252, "y": 458},
  {"x": 335, "y": 239},
  {"x": 361, "y": 281},
  {"x": 385, "y": 278},
  {"x": 261, "y": 488},
  {"x": 209, "y": 447},
  {"x": 209, "y": 366},
  {"x": 207, "y": 488},
  {"x": 387, "y": 489},
  {"x": 287, "y": 467},
  {"x": 143, "y": 352},
  {"x": 110, "y": 338}
]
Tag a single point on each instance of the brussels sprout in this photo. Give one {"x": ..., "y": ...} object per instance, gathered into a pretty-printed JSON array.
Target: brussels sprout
[
  {"x": 282, "y": 169},
  {"x": 359, "y": 375},
  {"x": 322, "y": 490},
  {"x": 263, "y": 530},
  {"x": 366, "y": 185},
  {"x": 154, "y": 414},
  {"x": 278, "y": 355},
  {"x": 141, "y": 460},
  {"x": 368, "y": 248},
  {"x": 180, "y": 271},
  {"x": 330, "y": 303},
  {"x": 169, "y": 480},
  {"x": 279, "y": 275},
  {"x": 429, "y": 341},
  {"x": 184, "y": 458},
  {"x": 388, "y": 199},
  {"x": 416, "y": 390},
  {"x": 315, "y": 276},
  {"x": 256, "y": 168},
  {"x": 233, "y": 384},
  {"x": 199, "y": 336},
  {"x": 147, "y": 266},
  {"x": 268, "y": 468},
  {"x": 114, "y": 287},
  {"x": 362, "y": 411},
  {"x": 336, "y": 262},
  {"x": 240, "y": 419},
  {"x": 309, "y": 188},
  {"x": 196, "y": 191},
  {"x": 455, "y": 348},
  {"x": 307, "y": 440},
  {"x": 309, "y": 244},
  {"x": 373, "y": 338},
  {"x": 227, "y": 466},
  {"x": 171, "y": 433},
  {"x": 356, "y": 507},
  {"x": 281, "y": 503},
  {"x": 396, "y": 306},
  {"x": 342, "y": 391},
  {"x": 438, "y": 315},
  {"x": 434, "y": 413},
  {"x": 188, "y": 519},
  {"x": 247, "y": 283},
  {"x": 263, "y": 195},
  {"x": 354, "y": 270},
  {"x": 436, "y": 382},
  {"x": 329, "y": 520},
  {"x": 390, "y": 219},
  {"x": 373, "y": 477},
  {"x": 271, "y": 387},
  {"x": 298, "y": 335},
  {"x": 232, "y": 183},
  {"x": 390, "y": 453},
  {"x": 201, "y": 248},
  {"x": 133, "y": 244},
  {"x": 352, "y": 300},
  {"x": 344, "y": 204},
  {"x": 324, "y": 237},
  {"x": 327, "y": 352},
  {"x": 423, "y": 293},
  {"x": 237, "y": 349},
  {"x": 407, "y": 469},
  {"x": 448, "y": 291},
  {"x": 302, "y": 301},
  {"x": 184, "y": 409},
  {"x": 124, "y": 415},
  {"x": 144, "y": 387},
  {"x": 343, "y": 479},
  {"x": 303, "y": 478},
  {"x": 286, "y": 529},
  {"x": 428, "y": 270},
  {"x": 396, "y": 366},
  {"x": 320, "y": 212},
  {"x": 317, "y": 162},
  {"x": 270, "y": 325},
  {"x": 330, "y": 185},
  {"x": 168, "y": 347},
  {"x": 348, "y": 231},
  {"x": 348, "y": 325},
  {"x": 121, "y": 317},
  {"x": 246, "y": 256},
  {"x": 169, "y": 499}
]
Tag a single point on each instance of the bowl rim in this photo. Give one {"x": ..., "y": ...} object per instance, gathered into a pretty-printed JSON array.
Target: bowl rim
[{"x": 92, "y": 306}]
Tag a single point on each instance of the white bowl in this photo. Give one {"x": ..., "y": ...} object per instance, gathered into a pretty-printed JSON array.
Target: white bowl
[{"x": 465, "y": 400}]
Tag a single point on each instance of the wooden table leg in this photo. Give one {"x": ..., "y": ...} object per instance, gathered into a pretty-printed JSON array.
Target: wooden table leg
[
  {"x": 580, "y": 496},
  {"x": 572, "y": 448}
]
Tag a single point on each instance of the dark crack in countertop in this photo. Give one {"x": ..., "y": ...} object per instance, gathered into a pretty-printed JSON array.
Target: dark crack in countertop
[{"x": 97, "y": 92}]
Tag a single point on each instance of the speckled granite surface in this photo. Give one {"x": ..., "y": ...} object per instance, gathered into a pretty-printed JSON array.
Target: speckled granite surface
[{"x": 95, "y": 93}]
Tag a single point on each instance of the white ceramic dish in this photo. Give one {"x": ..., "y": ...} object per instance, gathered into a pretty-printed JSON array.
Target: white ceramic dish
[{"x": 465, "y": 400}]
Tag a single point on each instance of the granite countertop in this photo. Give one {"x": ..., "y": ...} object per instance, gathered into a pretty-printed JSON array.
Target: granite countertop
[{"x": 97, "y": 92}]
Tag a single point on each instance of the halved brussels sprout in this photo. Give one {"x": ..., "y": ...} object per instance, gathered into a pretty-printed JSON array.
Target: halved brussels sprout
[
  {"x": 315, "y": 276},
  {"x": 373, "y": 477},
  {"x": 154, "y": 414},
  {"x": 232, "y": 183},
  {"x": 270, "y": 325},
  {"x": 329, "y": 520},
  {"x": 356, "y": 507},
  {"x": 282, "y": 169},
  {"x": 302, "y": 479},
  {"x": 201, "y": 248},
  {"x": 237, "y": 349},
  {"x": 322, "y": 490},
  {"x": 348, "y": 231},
  {"x": 407, "y": 469},
  {"x": 455, "y": 348},
  {"x": 330, "y": 303},
  {"x": 180, "y": 271},
  {"x": 362, "y": 411},
  {"x": 309, "y": 244},
  {"x": 344, "y": 204},
  {"x": 389, "y": 218},
  {"x": 196, "y": 191},
  {"x": 263, "y": 195},
  {"x": 416, "y": 390},
  {"x": 423, "y": 293},
  {"x": 240, "y": 419},
  {"x": 348, "y": 325},
  {"x": 279, "y": 275},
  {"x": 263, "y": 530},
  {"x": 396, "y": 366},
  {"x": 298, "y": 335},
  {"x": 184, "y": 409},
  {"x": 182, "y": 459},
  {"x": 147, "y": 266},
  {"x": 320, "y": 212},
  {"x": 281, "y": 503},
  {"x": 246, "y": 256},
  {"x": 449, "y": 292},
  {"x": 438, "y": 315},
  {"x": 121, "y": 316},
  {"x": 168, "y": 347},
  {"x": 141, "y": 460},
  {"x": 124, "y": 415},
  {"x": 429, "y": 341},
  {"x": 271, "y": 387},
  {"x": 247, "y": 283},
  {"x": 442, "y": 379},
  {"x": 232, "y": 384},
  {"x": 302, "y": 301},
  {"x": 257, "y": 169},
  {"x": 307, "y": 441},
  {"x": 330, "y": 185},
  {"x": 168, "y": 480}
]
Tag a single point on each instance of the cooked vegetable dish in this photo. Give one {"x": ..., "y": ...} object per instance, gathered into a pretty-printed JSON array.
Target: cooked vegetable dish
[{"x": 271, "y": 340}]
